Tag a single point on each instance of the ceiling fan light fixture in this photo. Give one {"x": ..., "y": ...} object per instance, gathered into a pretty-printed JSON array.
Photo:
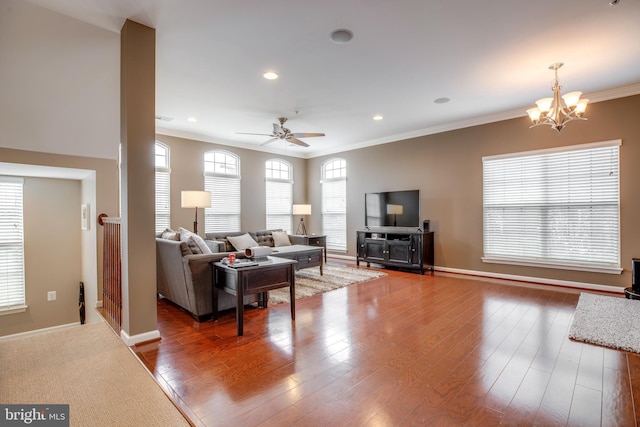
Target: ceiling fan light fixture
[{"x": 341, "y": 36}]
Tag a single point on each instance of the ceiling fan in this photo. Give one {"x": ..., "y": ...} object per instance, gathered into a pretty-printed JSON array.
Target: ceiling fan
[{"x": 281, "y": 132}]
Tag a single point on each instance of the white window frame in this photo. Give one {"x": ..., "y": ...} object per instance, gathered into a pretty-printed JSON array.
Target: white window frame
[
  {"x": 163, "y": 187},
  {"x": 334, "y": 203},
  {"x": 532, "y": 202},
  {"x": 12, "y": 272},
  {"x": 222, "y": 180},
  {"x": 279, "y": 195}
]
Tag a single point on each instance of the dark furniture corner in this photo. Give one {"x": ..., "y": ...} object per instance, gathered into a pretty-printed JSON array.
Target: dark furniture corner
[
  {"x": 396, "y": 248},
  {"x": 312, "y": 240},
  {"x": 258, "y": 279}
]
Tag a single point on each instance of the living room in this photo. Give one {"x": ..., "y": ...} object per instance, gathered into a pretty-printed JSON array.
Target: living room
[{"x": 445, "y": 166}]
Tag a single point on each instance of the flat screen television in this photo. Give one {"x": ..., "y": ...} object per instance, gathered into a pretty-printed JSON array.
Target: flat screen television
[{"x": 392, "y": 209}]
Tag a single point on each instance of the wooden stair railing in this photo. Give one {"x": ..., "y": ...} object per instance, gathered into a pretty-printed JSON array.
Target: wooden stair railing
[{"x": 112, "y": 273}]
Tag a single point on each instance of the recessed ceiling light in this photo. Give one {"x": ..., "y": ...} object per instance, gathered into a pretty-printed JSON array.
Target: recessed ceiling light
[
  {"x": 270, "y": 75},
  {"x": 378, "y": 117},
  {"x": 441, "y": 100},
  {"x": 192, "y": 119},
  {"x": 341, "y": 36}
]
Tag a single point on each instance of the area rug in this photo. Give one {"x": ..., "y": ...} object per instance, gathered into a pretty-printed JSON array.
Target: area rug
[
  {"x": 607, "y": 321},
  {"x": 310, "y": 282},
  {"x": 88, "y": 368}
]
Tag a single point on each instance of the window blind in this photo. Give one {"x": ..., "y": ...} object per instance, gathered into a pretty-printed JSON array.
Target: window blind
[
  {"x": 279, "y": 195},
  {"x": 163, "y": 187},
  {"x": 556, "y": 208},
  {"x": 12, "y": 285},
  {"x": 224, "y": 213},
  {"x": 334, "y": 213},
  {"x": 163, "y": 207}
]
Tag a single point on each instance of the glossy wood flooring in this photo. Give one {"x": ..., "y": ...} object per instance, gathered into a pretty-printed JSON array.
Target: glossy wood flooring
[{"x": 401, "y": 350}]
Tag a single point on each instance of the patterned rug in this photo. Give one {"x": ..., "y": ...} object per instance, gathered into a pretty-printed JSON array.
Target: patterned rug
[
  {"x": 310, "y": 282},
  {"x": 607, "y": 321}
]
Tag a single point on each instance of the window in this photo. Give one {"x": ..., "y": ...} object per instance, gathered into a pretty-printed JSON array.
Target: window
[
  {"x": 554, "y": 208},
  {"x": 222, "y": 179},
  {"x": 334, "y": 203},
  {"x": 12, "y": 286},
  {"x": 279, "y": 194},
  {"x": 163, "y": 188}
]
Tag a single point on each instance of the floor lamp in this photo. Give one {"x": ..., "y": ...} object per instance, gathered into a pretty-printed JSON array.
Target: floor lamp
[
  {"x": 301, "y": 210},
  {"x": 196, "y": 199}
]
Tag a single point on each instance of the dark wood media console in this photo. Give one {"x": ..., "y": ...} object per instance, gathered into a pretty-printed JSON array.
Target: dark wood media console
[{"x": 402, "y": 248}]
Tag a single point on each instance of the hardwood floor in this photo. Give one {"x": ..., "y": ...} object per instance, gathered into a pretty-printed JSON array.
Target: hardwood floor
[{"x": 401, "y": 350}]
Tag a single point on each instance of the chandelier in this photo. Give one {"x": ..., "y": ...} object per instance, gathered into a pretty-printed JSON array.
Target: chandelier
[{"x": 559, "y": 110}]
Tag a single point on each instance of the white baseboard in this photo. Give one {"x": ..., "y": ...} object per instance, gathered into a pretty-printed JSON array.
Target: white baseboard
[
  {"x": 537, "y": 280},
  {"x": 529, "y": 279},
  {"x": 347, "y": 257},
  {"x": 136, "y": 339},
  {"x": 38, "y": 331},
  {"x": 99, "y": 304}
]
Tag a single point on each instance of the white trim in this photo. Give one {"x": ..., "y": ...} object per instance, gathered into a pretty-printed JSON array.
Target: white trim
[
  {"x": 537, "y": 280},
  {"x": 547, "y": 264},
  {"x": 38, "y": 331},
  {"x": 99, "y": 304},
  {"x": 346, "y": 257},
  {"x": 13, "y": 309},
  {"x": 136, "y": 339},
  {"x": 563, "y": 149}
]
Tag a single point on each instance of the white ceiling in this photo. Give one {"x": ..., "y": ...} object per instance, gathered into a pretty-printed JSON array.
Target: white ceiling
[{"x": 489, "y": 57}]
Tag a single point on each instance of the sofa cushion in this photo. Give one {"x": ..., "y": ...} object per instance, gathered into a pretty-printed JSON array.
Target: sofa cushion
[
  {"x": 185, "y": 249},
  {"x": 170, "y": 234},
  {"x": 240, "y": 243},
  {"x": 195, "y": 242},
  {"x": 280, "y": 238}
]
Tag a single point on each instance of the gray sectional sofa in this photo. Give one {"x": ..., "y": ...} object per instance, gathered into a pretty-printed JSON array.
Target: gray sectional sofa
[{"x": 184, "y": 273}]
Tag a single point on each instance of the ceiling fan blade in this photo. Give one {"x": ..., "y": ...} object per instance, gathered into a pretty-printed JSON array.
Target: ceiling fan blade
[
  {"x": 261, "y": 134},
  {"x": 306, "y": 135},
  {"x": 268, "y": 141},
  {"x": 296, "y": 141}
]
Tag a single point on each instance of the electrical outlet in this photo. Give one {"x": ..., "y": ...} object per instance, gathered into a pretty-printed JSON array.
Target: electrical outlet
[{"x": 51, "y": 295}]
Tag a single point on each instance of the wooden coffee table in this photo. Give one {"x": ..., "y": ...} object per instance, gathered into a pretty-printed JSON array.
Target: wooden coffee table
[{"x": 270, "y": 273}]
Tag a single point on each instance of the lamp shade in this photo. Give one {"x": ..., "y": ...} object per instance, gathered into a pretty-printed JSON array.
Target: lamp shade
[
  {"x": 196, "y": 199},
  {"x": 394, "y": 209},
  {"x": 302, "y": 209}
]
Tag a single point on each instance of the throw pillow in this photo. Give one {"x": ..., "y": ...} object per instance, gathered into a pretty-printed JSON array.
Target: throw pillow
[
  {"x": 170, "y": 234},
  {"x": 240, "y": 243},
  {"x": 280, "y": 238},
  {"x": 194, "y": 241}
]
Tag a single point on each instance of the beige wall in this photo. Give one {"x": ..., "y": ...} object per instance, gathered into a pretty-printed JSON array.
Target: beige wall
[
  {"x": 447, "y": 169},
  {"x": 52, "y": 249},
  {"x": 80, "y": 252},
  {"x": 187, "y": 173}
]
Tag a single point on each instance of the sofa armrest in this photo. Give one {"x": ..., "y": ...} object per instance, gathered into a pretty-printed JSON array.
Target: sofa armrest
[{"x": 216, "y": 246}]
